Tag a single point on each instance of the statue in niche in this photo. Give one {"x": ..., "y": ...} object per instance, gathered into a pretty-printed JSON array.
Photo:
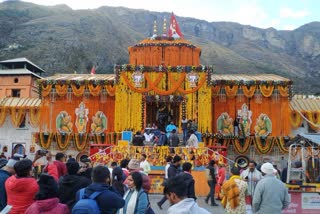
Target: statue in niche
[
  {"x": 225, "y": 124},
  {"x": 81, "y": 118},
  {"x": 244, "y": 120},
  {"x": 263, "y": 126},
  {"x": 99, "y": 123},
  {"x": 63, "y": 123}
]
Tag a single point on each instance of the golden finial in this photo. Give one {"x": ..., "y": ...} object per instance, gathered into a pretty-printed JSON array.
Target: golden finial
[
  {"x": 155, "y": 27},
  {"x": 164, "y": 27}
]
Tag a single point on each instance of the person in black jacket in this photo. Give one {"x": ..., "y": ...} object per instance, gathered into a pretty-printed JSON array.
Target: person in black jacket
[
  {"x": 211, "y": 176},
  {"x": 138, "y": 139},
  {"x": 109, "y": 201},
  {"x": 173, "y": 170},
  {"x": 70, "y": 184},
  {"x": 186, "y": 168}
]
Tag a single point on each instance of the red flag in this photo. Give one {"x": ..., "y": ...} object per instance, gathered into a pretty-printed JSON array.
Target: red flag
[
  {"x": 93, "y": 70},
  {"x": 174, "y": 29}
]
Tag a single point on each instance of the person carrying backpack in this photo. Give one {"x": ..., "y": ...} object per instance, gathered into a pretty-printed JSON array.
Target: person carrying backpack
[{"x": 98, "y": 197}]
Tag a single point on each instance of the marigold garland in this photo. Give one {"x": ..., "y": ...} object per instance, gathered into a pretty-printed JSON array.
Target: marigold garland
[
  {"x": 264, "y": 149},
  {"x": 215, "y": 90},
  {"x": 132, "y": 87},
  {"x": 200, "y": 84},
  {"x": 231, "y": 90},
  {"x": 46, "y": 89},
  {"x": 34, "y": 117},
  {"x": 45, "y": 144},
  {"x": 61, "y": 89},
  {"x": 266, "y": 90},
  {"x": 78, "y": 90},
  {"x": 111, "y": 90},
  {"x": 174, "y": 87},
  {"x": 242, "y": 149},
  {"x": 17, "y": 116},
  {"x": 248, "y": 91},
  {"x": 63, "y": 145},
  {"x": 281, "y": 144},
  {"x": 157, "y": 80},
  {"x": 94, "y": 90},
  {"x": 295, "y": 119},
  {"x": 3, "y": 115},
  {"x": 314, "y": 118},
  {"x": 80, "y": 146},
  {"x": 283, "y": 90}
]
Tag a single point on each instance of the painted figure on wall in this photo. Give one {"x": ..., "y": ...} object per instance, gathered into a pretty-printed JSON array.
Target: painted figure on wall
[
  {"x": 225, "y": 124},
  {"x": 263, "y": 126},
  {"x": 82, "y": 118},
  {"x": 63, "y": 123},
  {"x": 99, "y": 123},
  {"x": 245, "y": 120}
]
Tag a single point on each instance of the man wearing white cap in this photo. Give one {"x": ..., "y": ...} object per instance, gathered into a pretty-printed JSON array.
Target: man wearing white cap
[
  {"x": 5, "y": 173},
  {"x": 271, "y": 195}
]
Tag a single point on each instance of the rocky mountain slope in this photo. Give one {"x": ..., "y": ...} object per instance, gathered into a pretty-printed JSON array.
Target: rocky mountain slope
[{"x": 62, "y": 40}]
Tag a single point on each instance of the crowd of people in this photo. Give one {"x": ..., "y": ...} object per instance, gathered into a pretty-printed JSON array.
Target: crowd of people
[
  {"x": 250, "y": 190},
  {"x": 65, "y": 186},
  {"x": 168, "y": 136}
]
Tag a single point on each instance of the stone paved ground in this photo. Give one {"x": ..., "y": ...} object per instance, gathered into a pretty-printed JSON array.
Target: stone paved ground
[{"x": 154, "y": 198}]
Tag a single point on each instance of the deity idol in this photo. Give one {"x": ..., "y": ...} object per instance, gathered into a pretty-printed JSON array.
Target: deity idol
[
  {"x": 245, "y": 120},
  {"x": 82, "y": 118}
]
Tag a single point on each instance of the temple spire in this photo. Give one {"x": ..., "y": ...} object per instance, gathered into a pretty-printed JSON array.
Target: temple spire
[
  {"x": 164, "y": 33},
  {"x": 155, "y": 27},
  {"x": 154, "y": 30}
]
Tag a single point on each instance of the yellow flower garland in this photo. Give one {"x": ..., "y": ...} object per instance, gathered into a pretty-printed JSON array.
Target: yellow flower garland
[
  {"x": 34, "y": 114},
  {"x": 45, "y": 90},
  {"x": 61, "y": 89},
  {"x": 80, "y": 146},
  {"x": 204, "y": 109},
  {"x": 94, "y": 90},
  {"x": 231, "y": 90},
  {"x": 266, "y": 90},
  {"x": 295, "y": 119},
  {"x": 77, "y": 91},
  {"x": 284, "y": 90},
  {"x": 63, "y": 145},
  {"x": 17, "y": 116},
  {"x": 3, "y": 115},
  {"x": 264, "y": 149},
  {"x": 313, "y": 117},
  {"x": 45, "y": 144},
  {"x": 248, "y": 91},
  {"x": 215, "y": 90}
]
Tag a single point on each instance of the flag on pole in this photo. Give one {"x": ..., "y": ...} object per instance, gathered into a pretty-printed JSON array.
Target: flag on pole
[
  {"x": 93, "y": 70},
  {"x": 174, "y": 29}
]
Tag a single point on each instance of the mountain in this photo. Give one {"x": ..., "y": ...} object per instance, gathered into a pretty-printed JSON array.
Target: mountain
[{"x": 62, "y": 40}]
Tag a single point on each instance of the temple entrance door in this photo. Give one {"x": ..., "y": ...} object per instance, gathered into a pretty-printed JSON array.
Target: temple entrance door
[{"x": 162, "y": 113}]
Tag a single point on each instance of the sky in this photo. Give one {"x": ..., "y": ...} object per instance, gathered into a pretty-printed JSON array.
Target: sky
[{"x": 279, "y": 14}]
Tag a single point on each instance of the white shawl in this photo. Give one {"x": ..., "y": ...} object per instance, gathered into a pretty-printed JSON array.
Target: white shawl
[{"x": 131, "y": 206}]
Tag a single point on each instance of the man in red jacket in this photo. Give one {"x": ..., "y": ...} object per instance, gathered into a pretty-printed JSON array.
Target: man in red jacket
[
  {"x": 21, "y": 188},
  {"x": 60, "y": 163}
]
